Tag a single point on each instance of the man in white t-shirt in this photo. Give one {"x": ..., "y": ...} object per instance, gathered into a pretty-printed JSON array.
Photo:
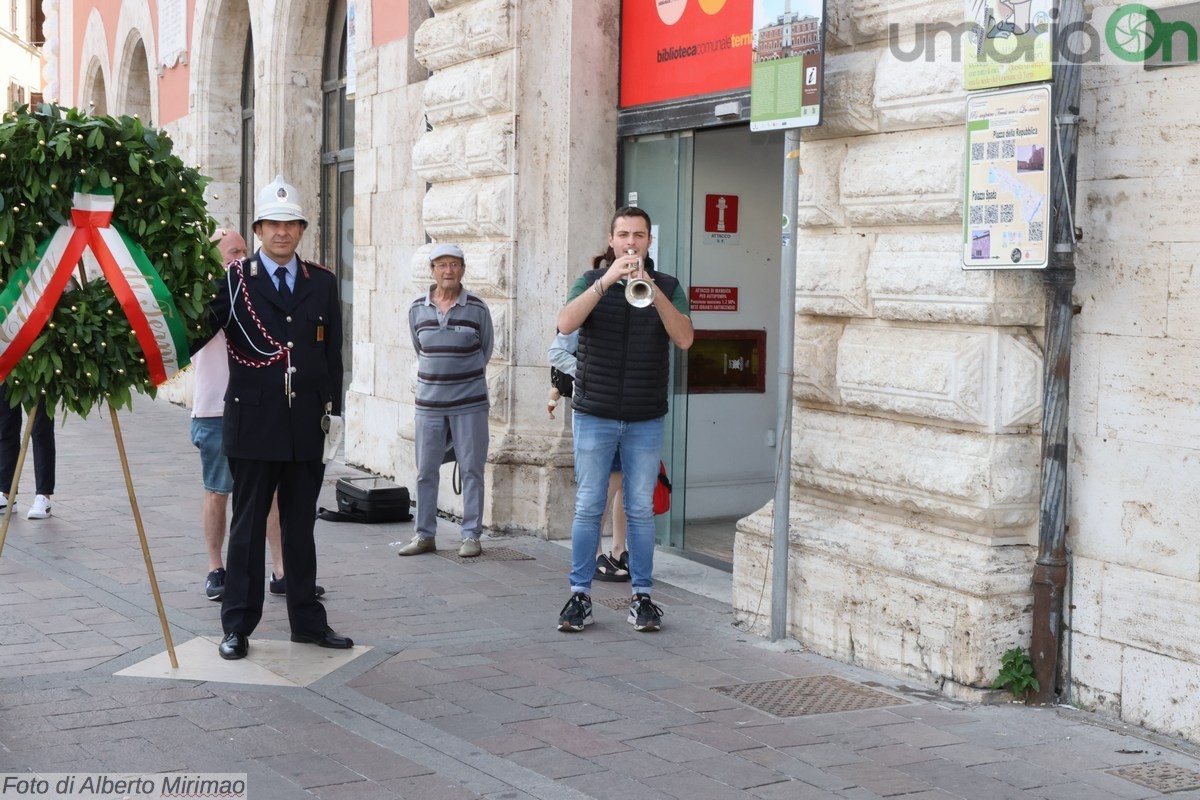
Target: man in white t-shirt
[{"x": 210, "y": 371}]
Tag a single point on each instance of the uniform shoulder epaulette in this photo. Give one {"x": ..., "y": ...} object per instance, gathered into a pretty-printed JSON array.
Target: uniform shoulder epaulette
[{"x": 316, "y": 265}]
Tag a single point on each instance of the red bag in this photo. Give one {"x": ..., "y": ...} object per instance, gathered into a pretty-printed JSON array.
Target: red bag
[{"x": 662, "y": 491}]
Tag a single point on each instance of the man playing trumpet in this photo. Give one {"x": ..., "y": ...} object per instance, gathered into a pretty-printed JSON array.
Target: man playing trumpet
[{"x": 619, "y": 403}]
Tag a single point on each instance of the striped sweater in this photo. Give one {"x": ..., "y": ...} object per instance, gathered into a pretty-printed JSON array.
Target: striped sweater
[{"x": 452, "y": 354}]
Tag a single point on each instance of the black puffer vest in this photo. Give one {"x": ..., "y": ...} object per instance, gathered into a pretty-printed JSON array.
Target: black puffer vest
[{"x": 624, "y": 355}]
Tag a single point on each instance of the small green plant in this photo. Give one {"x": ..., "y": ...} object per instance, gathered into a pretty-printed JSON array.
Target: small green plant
[{"x": 1016, "y": 672}]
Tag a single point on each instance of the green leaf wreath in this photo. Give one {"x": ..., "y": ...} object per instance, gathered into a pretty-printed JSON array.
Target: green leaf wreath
[{"x": 87, "y": 353}]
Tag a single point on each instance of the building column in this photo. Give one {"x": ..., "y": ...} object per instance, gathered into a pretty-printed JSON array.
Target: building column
[{"x": 520, "y": 157}]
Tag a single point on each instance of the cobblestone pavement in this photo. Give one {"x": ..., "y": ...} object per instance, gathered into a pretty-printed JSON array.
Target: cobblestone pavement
[{"x": 468, "y": 690}]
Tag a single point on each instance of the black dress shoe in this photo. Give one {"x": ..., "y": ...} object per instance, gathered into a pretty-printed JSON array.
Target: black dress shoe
[
  {"x": 325, "y": 638},
  {"x": 279, "y": 586},
  {"x": 234, "y": 645}
]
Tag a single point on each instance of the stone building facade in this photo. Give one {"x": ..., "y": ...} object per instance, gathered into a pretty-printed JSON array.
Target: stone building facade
[
  {"x": 21, "y": 27},
  {"x": 915, "y": 461}
]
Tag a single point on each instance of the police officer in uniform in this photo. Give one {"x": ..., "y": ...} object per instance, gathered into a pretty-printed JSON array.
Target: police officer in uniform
[{"x": 283, "y": 329}]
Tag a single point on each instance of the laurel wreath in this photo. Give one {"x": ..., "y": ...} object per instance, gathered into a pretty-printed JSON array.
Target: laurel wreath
[{"x": 87, "y": 353}]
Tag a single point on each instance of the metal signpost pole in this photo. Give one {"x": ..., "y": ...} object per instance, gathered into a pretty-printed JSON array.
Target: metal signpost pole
[
  {"x": 1049, "y": 577},
  {"x": 786, "y": 358},
  {"x": 786, "y": 68}
]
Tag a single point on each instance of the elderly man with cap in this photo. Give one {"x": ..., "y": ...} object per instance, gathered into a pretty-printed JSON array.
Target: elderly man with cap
[
  {"x": 283, "y": 329},
  {"x": 452, "y": 333}
]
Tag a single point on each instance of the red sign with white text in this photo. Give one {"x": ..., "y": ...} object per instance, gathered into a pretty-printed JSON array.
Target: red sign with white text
[
  {"x": 713, "y": 298},
  {"x": 682, "y": 48}
]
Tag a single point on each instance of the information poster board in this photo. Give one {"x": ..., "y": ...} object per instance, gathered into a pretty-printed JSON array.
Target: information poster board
[
  {"x": 1006, "y": 212},
  {"x": 787, "y": 74},
  {"x": 1007, "y": 42}
]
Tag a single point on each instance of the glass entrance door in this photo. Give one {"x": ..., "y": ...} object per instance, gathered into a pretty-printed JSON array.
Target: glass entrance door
[
  {"x": 657, "y": 177},
  {"x": 714, "y": 198}
]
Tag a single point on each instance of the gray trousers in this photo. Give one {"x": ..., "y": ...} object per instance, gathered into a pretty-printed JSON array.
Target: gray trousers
[{"x": 470, "y": 432}]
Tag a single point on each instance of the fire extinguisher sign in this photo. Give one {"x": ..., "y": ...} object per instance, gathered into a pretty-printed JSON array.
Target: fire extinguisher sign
[{"x": 720, "y": 219}]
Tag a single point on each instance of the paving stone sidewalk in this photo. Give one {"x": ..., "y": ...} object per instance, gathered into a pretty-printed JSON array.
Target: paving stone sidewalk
[{"x": 468, "y": 690}]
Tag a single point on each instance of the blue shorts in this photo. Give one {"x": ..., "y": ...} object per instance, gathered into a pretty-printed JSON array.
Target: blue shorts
[
  {"x": 616, "y": 465},
  {"x": 206, "y": 435}
]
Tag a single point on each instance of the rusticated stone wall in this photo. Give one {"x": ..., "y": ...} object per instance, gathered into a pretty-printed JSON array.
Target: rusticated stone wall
[
  {"x": 1135, "y": 472},
  {"x": 915, "y": 457}
]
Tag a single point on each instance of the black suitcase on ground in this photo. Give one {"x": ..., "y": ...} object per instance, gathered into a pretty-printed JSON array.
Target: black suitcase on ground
[{"x": 373, "y": 499}]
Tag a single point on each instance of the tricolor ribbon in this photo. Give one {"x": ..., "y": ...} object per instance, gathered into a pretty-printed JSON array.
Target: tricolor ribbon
[{"x": 107, "y": 252}]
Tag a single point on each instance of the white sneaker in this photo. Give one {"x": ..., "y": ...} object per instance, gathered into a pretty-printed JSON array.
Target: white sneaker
[
  {"x": 40, "y": 508},
  {"x": 4, "y": 502}
]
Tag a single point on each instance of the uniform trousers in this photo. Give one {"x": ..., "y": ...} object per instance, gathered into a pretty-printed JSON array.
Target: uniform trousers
[{"x": 254, "y": 485}]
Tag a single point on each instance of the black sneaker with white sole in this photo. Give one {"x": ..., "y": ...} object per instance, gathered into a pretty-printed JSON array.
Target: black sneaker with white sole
[
  {"x": 576, "y": 613},
  {"x": 643, "y": 614},
  {"x": 214, "y": 584}
]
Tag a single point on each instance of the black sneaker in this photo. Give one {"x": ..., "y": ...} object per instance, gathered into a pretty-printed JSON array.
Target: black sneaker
[
  {"x": 279, "y": 586},
  {"x": 214, "y": 584},
  {"x": 576, "y": 613},
  {"x": 643, "y": 614}
]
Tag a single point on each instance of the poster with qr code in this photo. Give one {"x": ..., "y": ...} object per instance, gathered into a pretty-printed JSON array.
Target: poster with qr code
[{"x": 1007, "y": 206}]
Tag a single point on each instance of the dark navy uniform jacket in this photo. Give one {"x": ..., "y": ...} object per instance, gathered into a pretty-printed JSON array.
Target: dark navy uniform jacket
[{"x": 260, "y": 423}]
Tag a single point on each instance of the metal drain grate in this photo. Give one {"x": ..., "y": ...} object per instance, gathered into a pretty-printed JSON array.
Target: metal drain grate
[
  {"x": 819, "y": 694},
  {"x": 488, "y": 554},
  {"x": 615, "y": 603},
  {"x": 1160, "y": 776}
]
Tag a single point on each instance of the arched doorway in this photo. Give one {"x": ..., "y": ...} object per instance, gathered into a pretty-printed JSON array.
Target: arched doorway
[
  {"x": 94, "y": 96},
  {"x": 337, "y": 163},
  {"x": 223, "y": 88},
  {"x": 137, "y": 84}
]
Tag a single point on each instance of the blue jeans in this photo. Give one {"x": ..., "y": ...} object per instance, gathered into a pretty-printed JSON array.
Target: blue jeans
[{"x": 596, "y": 441}]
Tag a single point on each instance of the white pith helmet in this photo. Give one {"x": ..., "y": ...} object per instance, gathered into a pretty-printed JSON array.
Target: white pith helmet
[{"x": 277, "y": 201}]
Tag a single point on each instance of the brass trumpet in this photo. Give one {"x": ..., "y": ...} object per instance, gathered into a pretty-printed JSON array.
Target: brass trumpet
[{"x": 639, "y": 292}]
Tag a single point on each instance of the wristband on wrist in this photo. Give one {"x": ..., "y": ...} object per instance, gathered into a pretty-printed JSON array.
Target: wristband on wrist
[{"x": 596, "y": 286}]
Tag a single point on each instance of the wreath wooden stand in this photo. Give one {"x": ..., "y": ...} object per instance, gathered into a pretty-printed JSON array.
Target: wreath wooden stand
[{"x": 133, "y": 504}]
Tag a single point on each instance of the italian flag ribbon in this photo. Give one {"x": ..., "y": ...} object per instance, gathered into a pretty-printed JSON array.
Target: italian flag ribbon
[{"x": 107, "y": 253}]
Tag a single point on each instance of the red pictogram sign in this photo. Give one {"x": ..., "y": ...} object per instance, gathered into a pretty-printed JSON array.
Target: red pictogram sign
[{"x": 720, "y": 213}]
